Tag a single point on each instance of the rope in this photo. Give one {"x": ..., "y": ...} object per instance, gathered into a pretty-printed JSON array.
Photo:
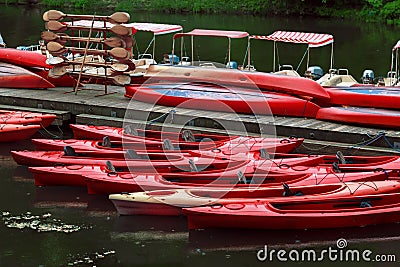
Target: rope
[
  {"x": 301, "y": 61},
  {"x": 163, "y": 116},
  {"x": 51, "y": 134}
]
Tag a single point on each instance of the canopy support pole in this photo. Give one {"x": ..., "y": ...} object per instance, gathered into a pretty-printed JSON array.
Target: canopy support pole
[
  {"x": 273, "y": 68},
  {"x": 308, "y": 56},
  {"x": 248, "y": 54},
  {"x": 331, "y": 57},
  {"x": 173, "y": 48},
  {"x": 154, "y": 45},
  {"x": 192, "y": 51},
  {"x": 229, "y": 52}
]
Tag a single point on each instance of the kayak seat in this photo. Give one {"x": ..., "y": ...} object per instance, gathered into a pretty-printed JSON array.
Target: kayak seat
[
  {"x": 365, "y": 204},
  {"x": 106, "y": 141},
  {"x": 340, "y": 157},
  {"x": 264, "y": 154},
  {"x": 167, "y": 145},
  {"x": 188, "y": 136},
  {"x": 129, "y": 130},
  {"x": 110, "y": 166},
  {"x": 335, "y": 167},
  {"x": 193, "y": 167},
  {"x": 132, "y": 154},
  {"x": 288, "y": 193},
  {"x": 69, "y": 151},
  {"x": 241, "y": 177}
]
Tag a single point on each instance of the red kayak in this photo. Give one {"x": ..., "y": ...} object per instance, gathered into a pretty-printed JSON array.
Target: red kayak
[
  {"x": 332, "y": 162},
  {"x": 234, "y": 144},
  {"x": 73, "y": 175},
  {"x": 63, "y": 81},
  {"x": 103, "y": 183},
  {"x": 171, "y": 202},
  {"x": 271, "y": 145},
  {"x": 93, "y": 132},
  {"x": 259, "y": 80},
  {"x": 16, "y": 132},
  {"x": 371, "y": 117},
  {"x": 23, "y": 58},
  {"x": 138, "y": 161},
  {"x": 365, "y": 96},
  {"x": 218, "y": 168},
  {"x": 218, "y": 98},
  {"x": 12, "y": 76},
  {"x": 16, "y": 119},
  {"x": 349, "y": 211},
  {"x": 46, "y": 119}
]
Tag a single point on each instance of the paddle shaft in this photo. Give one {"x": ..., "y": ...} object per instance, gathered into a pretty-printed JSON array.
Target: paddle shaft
[
  {"x": 60, "y": 27},
  {"x": 117, "y": 17},
  {"x": 62, "y": 39}
]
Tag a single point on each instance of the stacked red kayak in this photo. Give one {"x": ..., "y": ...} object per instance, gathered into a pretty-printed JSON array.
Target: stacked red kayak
[
  {"x": 20, "y": 125},
  {"x": 218, "y": 180}
]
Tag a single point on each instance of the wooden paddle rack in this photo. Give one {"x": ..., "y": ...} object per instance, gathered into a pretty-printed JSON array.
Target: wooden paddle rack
[{"x": 69, "y": 40}]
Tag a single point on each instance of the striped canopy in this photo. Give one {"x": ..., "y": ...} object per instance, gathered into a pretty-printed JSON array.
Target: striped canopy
[
  {"x": 397, "y": 45},
  {"x": 213, "y": 33},
  {"x": 156, "y": 28},
  {"x": 312, "y": 39}
]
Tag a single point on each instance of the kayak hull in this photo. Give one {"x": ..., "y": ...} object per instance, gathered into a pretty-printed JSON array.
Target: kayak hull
[
  {"x": 369, "y": 117},
  {"x": 15, "y": 132}
]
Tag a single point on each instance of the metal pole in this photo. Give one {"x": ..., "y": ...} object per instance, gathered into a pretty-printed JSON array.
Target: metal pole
[
  {"x": 308, "y": 56},
  {"x": 273, "y": 68},
  {"x": 248, "y": 54},
  {"x": 192, "y": 52},
  {"x": 331, "y": 57},
  {"x": 154, "y": 45},
  {"x": 229, "y": 52}
]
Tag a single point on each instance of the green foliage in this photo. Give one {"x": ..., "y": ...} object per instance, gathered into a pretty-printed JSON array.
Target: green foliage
[{"x": 368, "y": 10}]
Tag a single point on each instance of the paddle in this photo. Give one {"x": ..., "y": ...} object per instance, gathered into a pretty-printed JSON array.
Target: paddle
[
  {"x": 120, "y": 67},
  {"x": 116, "y": 18},
  {"x": 60, "y": 27},
  {"x": 63, "y": 38},
  {"x": 117, "y": 52},
  {"x": 118, "y": 79}
]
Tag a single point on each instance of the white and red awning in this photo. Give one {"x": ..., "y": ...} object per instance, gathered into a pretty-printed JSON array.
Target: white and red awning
[
  {"x": 156, "y": 28},
  {"x": 213, "y": 33},
  {"x": 396, "y": 46},
  {"x": 312, "y": 39}
]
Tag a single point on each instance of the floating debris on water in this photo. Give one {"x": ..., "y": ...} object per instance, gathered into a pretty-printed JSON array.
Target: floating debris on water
[
  {"x": 39, "y": 223},
  {"x": 91, "y": 259}
]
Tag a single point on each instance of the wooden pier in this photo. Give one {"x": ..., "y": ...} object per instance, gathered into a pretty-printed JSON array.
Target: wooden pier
[{"x": 89, "y": 106}]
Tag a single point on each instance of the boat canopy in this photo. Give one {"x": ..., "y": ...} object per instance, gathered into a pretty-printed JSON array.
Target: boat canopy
[
  {"x": 312, "y": 39},
  {"x": 211, "y": 33},
  {"x": 309, "y": 38}
]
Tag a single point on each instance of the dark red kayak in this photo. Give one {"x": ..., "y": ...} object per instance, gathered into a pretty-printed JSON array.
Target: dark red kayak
[
  {"x": 235, "y": 144},
  {"x": 349, "y": 211},
  {"x": 251, "y": 79},
  {"x": 16, "y": 132},
  {"x": 370, "y": 117},
  {"x": 218, "y": 98},
  {"x": 12, "y": 76},
  {"x": 365, "y": 96},
  {"x": 23, "y": 58}
]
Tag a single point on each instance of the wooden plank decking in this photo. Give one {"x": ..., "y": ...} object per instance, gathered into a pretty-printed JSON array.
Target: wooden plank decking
[{"x": 115, "y": 105}]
